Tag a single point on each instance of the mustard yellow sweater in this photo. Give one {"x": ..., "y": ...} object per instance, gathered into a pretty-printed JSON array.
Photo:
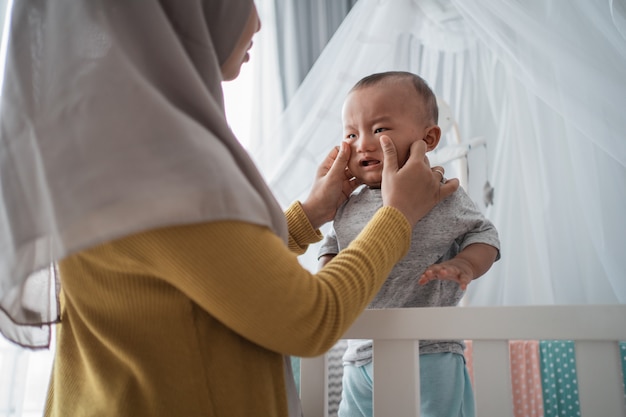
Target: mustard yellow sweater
[{"x": 193, "y": 320}]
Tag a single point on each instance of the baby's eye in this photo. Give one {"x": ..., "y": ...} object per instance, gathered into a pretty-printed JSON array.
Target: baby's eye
[
  {"x": 350, "y": 136},
  {"x": 380, "y": 130}
]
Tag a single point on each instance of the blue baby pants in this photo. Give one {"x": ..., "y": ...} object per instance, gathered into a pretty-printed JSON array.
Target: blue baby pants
[{"x": 445, "y": 388}]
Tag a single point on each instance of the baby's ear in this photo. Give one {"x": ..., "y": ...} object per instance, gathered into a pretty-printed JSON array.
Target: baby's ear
[{"x": 431, "y": 137}]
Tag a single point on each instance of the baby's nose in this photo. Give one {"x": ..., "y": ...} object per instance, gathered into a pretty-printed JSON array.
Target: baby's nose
[{"x": 366, "y": 143}]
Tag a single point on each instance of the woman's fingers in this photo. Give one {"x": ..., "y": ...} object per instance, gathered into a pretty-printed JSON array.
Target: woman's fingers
[{"x": 414, "y": 189}]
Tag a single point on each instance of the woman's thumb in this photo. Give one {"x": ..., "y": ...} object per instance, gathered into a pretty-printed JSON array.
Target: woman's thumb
[
  {"x": 389, "y": 153},
  {"x": 339, "y": 159}
]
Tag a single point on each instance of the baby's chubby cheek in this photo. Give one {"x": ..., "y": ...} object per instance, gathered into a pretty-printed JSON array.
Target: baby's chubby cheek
[{"x": 353, "y": 165}]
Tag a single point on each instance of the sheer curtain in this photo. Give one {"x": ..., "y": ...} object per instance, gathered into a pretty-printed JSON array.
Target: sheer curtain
[
  {"x": 542, "y": 84},
  {"x": 303, "y": 28},
  {"x": 293, "y": 35}
]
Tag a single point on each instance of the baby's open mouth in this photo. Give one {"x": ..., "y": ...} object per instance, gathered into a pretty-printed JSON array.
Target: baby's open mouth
[{"x": 369, "y": 162}]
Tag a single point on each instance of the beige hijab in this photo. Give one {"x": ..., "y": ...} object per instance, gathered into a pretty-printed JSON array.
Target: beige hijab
[{"x": 112, "y": 122}]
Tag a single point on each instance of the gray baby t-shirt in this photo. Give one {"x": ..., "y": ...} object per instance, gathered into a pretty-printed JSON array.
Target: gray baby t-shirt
[{"x": 447, "y": 229}]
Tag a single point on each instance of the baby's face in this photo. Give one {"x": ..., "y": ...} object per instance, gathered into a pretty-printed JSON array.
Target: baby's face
[{"x": 392, "y": 109}]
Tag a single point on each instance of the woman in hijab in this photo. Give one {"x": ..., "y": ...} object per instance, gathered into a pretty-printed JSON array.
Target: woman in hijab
[{"x": 181, "y": 293}]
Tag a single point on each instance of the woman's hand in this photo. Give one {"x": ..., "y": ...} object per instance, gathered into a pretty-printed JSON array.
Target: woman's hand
[
  {"x": 332, "y": 186},
  {"x": 413, "y": 189}
]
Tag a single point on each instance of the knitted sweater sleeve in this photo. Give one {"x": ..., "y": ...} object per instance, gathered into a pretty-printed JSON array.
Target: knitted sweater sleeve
[
  {"x": 243, "y": 275},
  {"x": 301, "y": 233}
]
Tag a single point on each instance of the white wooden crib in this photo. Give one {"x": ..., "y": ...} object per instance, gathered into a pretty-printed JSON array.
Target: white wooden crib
[{"x": 595, "y": 330}]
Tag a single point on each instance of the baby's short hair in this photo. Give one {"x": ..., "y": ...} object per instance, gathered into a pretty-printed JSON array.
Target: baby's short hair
[{"x": 422, "y": 88}]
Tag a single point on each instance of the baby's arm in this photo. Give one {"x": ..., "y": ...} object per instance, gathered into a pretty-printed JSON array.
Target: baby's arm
[
  {"x": 323, "y": 260},
  {"x": 469, "y": 264}
]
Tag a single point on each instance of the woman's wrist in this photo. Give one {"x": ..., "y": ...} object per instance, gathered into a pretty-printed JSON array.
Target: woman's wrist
[{"x": 316, "y": 218}]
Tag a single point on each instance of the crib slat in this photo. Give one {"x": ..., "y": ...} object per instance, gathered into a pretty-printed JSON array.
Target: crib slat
[
  {"x": 600, "y": 386},
  {"x": 492, "y": 378},
  {"x": 314, "y": 386},
  {"x": 396, "y": 381}
]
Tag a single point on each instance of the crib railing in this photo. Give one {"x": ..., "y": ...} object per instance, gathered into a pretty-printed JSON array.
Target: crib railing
[{"x": 596, "y": 329}]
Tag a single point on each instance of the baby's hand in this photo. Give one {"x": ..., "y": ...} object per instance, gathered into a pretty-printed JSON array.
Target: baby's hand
[{"x": 458, "y": 270}]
